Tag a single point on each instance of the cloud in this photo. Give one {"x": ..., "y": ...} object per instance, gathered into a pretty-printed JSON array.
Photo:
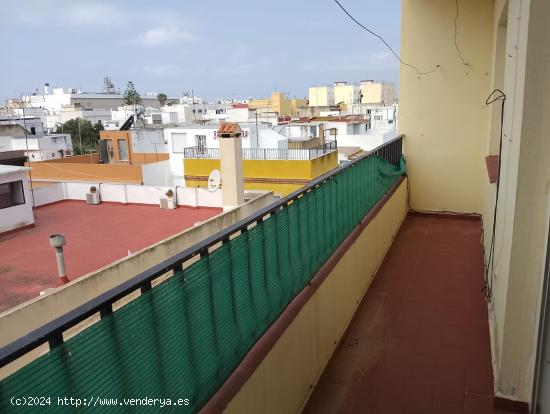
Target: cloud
[
  {"x": 164, "y": 36},
  {"x": 163, "y": 70},
  {"x": 62, "y": 12}
]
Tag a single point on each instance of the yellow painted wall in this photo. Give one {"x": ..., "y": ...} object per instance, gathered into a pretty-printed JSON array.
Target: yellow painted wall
[
  {"x": 319, "y": 96},
  {"x": 259, "y": 103},
  {"x": 283, "y": 381},
  {"x": 372, "y": 93},
  {"x": 449, "y": 132},
  {"x": 443, "y": 114},
  {"x": 278, "y": 103},
  {"x": 278, "y": 174},
  {"x": 296, "y": 104},
  {"x": 346, "y": 93}
]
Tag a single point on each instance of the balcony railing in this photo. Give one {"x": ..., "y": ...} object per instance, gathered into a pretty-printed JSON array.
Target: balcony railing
[
  {"x": 265, "y": 153},
  {"x": 184, "y": 336},
  {"x": 304, "y": 143}
]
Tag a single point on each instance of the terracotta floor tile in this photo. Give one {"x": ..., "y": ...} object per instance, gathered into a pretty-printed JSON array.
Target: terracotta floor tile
[
  {"x": 421, "y": 334},
  {"x": 478, "y": 404}
]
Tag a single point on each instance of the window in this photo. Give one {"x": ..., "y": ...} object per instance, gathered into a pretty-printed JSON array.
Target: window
[
  {"x": 157, "y": 119},
  {"x": 201, "y": 143},
  {"x": 33, "y": 131},
  {"x": 179, "y": 140},
  {"x": 123, "y": 150},
  {"x": 110, "y": 150},
  {"x": 12, "y": 194}
]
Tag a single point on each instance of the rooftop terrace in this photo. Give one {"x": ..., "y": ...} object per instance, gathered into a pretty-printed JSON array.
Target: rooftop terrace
[{"x": 96, "y": 236}]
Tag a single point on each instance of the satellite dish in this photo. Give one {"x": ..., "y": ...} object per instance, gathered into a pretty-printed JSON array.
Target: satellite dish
[{"x": 214, "y": 180}]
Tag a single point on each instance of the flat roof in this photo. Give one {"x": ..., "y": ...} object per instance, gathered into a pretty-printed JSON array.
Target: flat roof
[
  {"x": 8, "y": 169},
  {"x": 96, "y": 236}
]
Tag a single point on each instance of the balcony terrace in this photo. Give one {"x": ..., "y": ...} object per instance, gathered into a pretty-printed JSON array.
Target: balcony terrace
[
  {"x": 295, "y": 153},
  {"x": 419, "y": 342}
]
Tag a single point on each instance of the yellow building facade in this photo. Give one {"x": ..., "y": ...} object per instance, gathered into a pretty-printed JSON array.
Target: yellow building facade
[
  {"x": 321, "y": 96},
  {"x": 498, "y": 48},
  {"x": 346, "y": 93},
  {"x": 377, "y": 93},
  {"x": 278, "y": 103},
  {"x": 280, "y": 176}
]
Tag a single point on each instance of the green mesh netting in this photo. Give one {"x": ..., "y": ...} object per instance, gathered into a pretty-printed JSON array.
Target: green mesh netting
[{"x": 182, "y": 339}]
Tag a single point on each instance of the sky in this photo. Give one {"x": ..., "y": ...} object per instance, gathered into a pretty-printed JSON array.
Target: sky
[{"x": 218, "y": 49}]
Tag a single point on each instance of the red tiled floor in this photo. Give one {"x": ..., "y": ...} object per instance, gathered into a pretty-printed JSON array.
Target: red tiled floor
[
  {"x": 96, "y": 236},
  {"x": 426, "y": 320}
]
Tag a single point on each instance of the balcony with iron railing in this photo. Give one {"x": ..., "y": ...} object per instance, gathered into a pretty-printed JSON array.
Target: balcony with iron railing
[
  {"x": 187, "y": 335},
  {"x": 265, "y": 153},
  {"x": 248, "y": 319}
]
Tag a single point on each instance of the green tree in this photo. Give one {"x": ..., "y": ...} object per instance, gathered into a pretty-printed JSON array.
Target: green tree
[
  {"x": 162, "y": 98},
  {"x": 86, "y": 130},
  {"x": 131, "y": 95}
]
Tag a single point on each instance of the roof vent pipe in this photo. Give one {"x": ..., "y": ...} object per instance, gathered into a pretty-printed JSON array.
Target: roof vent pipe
[{"x": 57, "y": 241}]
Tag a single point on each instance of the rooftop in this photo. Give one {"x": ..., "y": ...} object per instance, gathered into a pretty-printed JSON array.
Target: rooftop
[
  {"x": 8, "y": 169},
  {"x": 96, "y": 236}
]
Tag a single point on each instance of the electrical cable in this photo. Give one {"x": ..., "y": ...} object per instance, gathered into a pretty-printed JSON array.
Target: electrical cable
[
  {"x": 418, "y": 72},
  {"x": 456, "y": 38},
  {"x": 496, "y": 95}
]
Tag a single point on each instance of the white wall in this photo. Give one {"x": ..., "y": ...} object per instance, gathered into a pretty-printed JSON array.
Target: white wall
[
  {"x": 17, "y": 216},
  {"x": 191, "y": 196},
  {"x": 48, "y": 194},
  {"x": 237, "y": 114},
  {"x": 126, "y": 193},
  {"x": 368, "y": 141},
  {"x": 157, "y": 173},
  {"x": 148, "y": 140}
]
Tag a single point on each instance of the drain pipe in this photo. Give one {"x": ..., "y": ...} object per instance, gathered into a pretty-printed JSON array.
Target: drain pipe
[{"x": 57, "y": 241}]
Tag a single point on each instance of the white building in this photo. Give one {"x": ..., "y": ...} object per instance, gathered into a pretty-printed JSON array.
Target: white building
[
  {"x": 149, "y": 115},
  {"x": 53, "y": 103},
  {"x": 32, "y": 122},
  {"x": 380, "y": 125},
  {"x": 89, "y": 114},
  {"x": 238, "y": 113},
  {"x": 205, "y": 138},
  {"x": 302, "y": 131},
  {"x": 15, "y": 199},
  {"x": 39, "y": 147},
  {"x": 198, "y": 112}
]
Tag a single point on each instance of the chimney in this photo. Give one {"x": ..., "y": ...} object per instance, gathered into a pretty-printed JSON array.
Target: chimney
[{"x": 231, "y": 154}]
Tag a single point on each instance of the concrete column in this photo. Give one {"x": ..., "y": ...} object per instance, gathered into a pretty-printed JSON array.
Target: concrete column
[{"x": 231, "y": 154}]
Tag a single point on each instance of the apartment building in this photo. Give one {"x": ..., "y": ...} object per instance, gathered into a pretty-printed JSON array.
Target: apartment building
[
  {"x": 321, "y": 96},
  {"x": 377, "y": 93},
  {"x": 383, "y": 286},
  {"x": 271, "y": 160}
]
